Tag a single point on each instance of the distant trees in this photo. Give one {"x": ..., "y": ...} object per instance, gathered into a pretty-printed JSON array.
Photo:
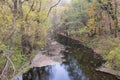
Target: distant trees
[
  {"x": 76, "y": 15},
  {"x": 100, "y": 17},
  {"x": 111, "y": 9}
]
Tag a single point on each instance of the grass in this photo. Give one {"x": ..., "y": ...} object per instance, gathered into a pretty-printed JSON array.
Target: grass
[
  {"x": 19, "y": 60},
  {"x": 109, "y": 49},
  {"x": 113, "y": 58},
  {"x": 2, "y": 62}
]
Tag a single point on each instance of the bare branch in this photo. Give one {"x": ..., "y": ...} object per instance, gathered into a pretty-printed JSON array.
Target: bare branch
[
  {"x": 11, "y": 63},
  {"x": 29, "y": 11},
  {"x": 40, "y": 3},
  {"x": 4, "y": 72},
  {"x": 3, "y": 75},
  {"x": 53, "y": 7}
]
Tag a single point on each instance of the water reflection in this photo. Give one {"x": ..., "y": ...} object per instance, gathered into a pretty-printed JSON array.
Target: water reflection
[
  {"x": 80, "y": 65},
  {"x": 55, "y": 72},
  {"x": 18, "y": 78},
  {"x": 58, "y": 72},
  {"x": 86, "y": 61}
]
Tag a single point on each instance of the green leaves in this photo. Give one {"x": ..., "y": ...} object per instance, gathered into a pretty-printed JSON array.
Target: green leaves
[
  {"x": 29, "y": 17},
  {"x": 77, "y": 15},
  {"x": 4, "y": 47},
  {"x": 113, "y": 58}
]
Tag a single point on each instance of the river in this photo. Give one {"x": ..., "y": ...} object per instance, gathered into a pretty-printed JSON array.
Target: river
[{"x": 79, "y": 64}]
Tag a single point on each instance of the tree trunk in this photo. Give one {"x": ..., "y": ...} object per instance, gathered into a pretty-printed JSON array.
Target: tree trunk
[
  {"x": 109, "y": 19},
  {"x": 116, "y": 19}
]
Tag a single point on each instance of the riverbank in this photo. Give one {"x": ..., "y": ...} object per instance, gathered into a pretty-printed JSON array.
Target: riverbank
[
  {"x": 103, "y": 46},
  {"x": 79, "y": 64},
  {"x": 50, "y": 56}
]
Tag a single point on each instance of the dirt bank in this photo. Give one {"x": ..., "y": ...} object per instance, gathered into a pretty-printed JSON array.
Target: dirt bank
[{"x": 50, "y": 57}]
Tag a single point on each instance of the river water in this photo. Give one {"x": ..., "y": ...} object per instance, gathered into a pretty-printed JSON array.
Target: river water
[{"x": 80, "y": 64}]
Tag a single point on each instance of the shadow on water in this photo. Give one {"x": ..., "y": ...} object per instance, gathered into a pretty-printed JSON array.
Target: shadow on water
[{"x": 79, "y": 65}]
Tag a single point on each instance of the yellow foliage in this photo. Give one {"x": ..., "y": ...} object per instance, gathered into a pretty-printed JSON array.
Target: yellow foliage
[{"x": 91, "y": 24}]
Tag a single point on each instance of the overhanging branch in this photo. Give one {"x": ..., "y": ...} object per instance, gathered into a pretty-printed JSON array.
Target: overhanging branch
[{"x": 53, "y": 7}]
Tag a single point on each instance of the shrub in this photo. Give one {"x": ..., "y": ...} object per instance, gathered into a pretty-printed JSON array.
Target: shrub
[{"x": 113, "y": 58}]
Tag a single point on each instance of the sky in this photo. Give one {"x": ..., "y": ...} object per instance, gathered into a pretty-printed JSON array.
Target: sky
[
  {"x": 68, "y": 0},
  {"x": 65, "y": 1}
]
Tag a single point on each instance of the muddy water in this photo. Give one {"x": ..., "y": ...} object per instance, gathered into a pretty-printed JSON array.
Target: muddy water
[{"x": 80, "y": 64}]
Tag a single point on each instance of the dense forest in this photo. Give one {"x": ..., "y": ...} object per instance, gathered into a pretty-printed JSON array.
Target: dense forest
[
  {"x": 96, "y": 24},
  {"x": 27, "y": 25}
]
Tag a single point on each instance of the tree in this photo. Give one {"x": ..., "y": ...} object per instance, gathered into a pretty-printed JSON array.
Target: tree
[{"x": 23, "y": 27}]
